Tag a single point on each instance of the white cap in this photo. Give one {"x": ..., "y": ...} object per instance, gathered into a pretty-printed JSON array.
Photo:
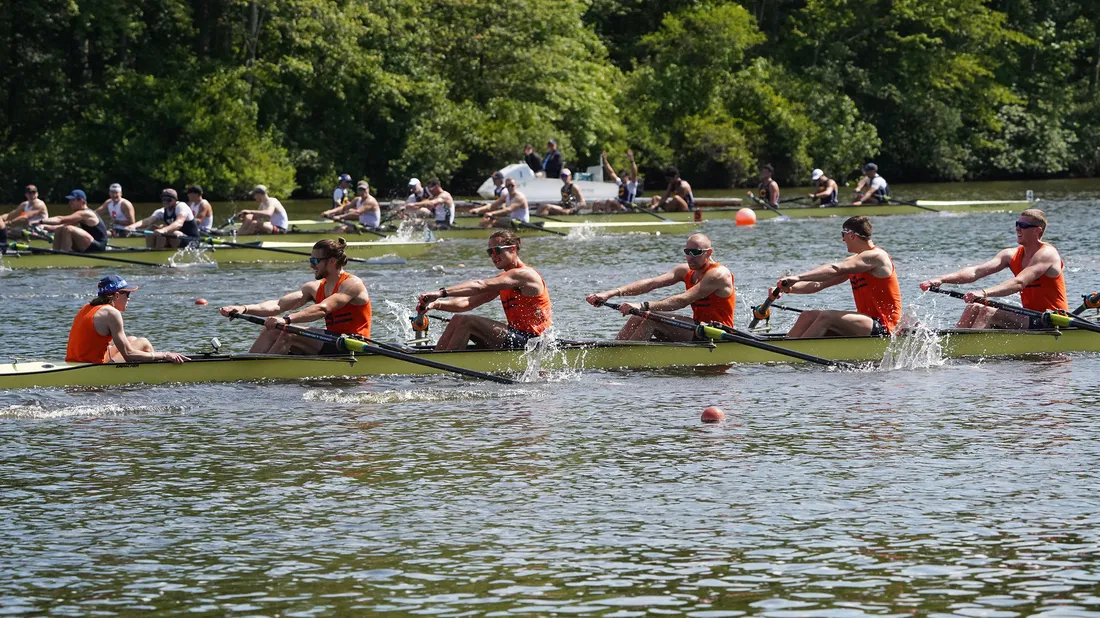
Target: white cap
[
  {"x": 259, "y": 189},
  {"x": 413, "y": 182},
  {"x": 565, "y": 172},
  {"x": 816, "y": 174},
  {"x": 115, "y": 187}
]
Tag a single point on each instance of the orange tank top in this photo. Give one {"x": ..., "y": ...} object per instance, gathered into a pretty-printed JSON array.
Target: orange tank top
[
  {"x": 529, "y": 314},
  {"x": 878, "y": 298},
  {"x": 712, "y": 308},
  {"x": 85, "y": 344},
  {"x": 349, "y": 319},
  {"x": 1043, "y": 294}
]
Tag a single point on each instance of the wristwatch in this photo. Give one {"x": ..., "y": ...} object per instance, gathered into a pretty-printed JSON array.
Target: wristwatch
[
  {"x": 286, "y": 318},
  {"x": 443, "y": 292}
]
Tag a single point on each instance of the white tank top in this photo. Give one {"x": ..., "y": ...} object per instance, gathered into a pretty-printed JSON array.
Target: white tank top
[
  {"x": 444, "y": 213},
  {"x": 32, "y": 219},
  {"x": 371, "y": 218},
  {"x": 207, "y": 222},
  {"x": 118, "y": 215},
  {"x": 180, "y": 207},
  {"x": 520, "y": 215},
  {"x": 279, "y": 218}
]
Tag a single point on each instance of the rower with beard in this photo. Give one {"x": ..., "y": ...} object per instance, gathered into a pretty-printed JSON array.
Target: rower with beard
[
  {"x": 174, "y": 223},
  {"x": 338, "y": 297}
]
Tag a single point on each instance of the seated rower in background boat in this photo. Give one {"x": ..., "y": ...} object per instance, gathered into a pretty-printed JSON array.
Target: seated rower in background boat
[
  {"x": 29, "y": 213},
  {"x": 82, "y": 231},
  {"x": 876, "y": 190},
  {"x": 339, "y": 297},
  {"x": 627, "y": 181},
  {"x": 874, "y": 282},
  {"x": 768, "y": 191},
  {"x": 678, "y": 195},
  {"x": 97, "y": 334},
  {"x": 270, "y": 208},
  {"x": 120, "y": 210},
  {"x": 827, "y": 192},
  {"x": 440, "y": 205},
  {"x": 520, "y": 288},
  {"x": 515, "y": 208},
  {"x": 204, "y": 212},
  {"x": 174, "y": 222},
  {"x": 572, "y": 200},
  {"x": 364, "y": 209},
  {"x": 498, "y": 193},
  {"x": 710, "y": 293},
  {"x": 1038, "y": 276},
  {"x": 341, "y": 195}
]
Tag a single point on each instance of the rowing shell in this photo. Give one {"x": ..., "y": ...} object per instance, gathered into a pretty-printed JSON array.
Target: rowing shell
[
  {"x": 216, "y": 255},
  {"x": 596, "y": 355}
]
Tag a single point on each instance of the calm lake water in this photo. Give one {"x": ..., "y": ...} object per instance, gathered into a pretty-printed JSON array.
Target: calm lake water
[{"x": 961, "y": 487}]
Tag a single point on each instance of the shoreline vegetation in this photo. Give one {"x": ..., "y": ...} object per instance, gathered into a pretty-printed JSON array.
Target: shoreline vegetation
[{"x": 231, "y": 94}]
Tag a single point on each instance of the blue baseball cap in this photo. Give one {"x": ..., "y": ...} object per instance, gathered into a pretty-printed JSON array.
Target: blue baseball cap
[
  {"x": 114, "y": 283},
  {"x": 77, "y": 194},
  {"x": 345, "y": 178}
]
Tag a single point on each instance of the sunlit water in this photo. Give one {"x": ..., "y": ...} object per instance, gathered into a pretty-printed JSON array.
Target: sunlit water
[{"x": 924, "y": 486}]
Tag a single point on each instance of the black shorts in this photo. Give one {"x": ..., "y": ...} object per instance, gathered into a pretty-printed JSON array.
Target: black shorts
[
  {"x": 331, "y": 349},
  {"x": 442, "y": 225},
  {"x": 877, "y": 329},
  {"x": 516, "y": 339},
  {"x": 96, "y": 246},
  {"x": 277, "y": 230}
]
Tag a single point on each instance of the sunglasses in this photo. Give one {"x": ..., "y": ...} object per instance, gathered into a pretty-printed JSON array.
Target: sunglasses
[
  {"x": 167, "y": 200},
  {"x": 1023, "y": 225},
  {"x": 315, "y": 261},
  {"x": 495, "y": 251},
  {"x": 695, "y": 252},
  {"x": 125, "y": 293}
]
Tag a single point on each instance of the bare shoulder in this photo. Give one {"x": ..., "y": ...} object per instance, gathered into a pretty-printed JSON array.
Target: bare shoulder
[
  {"x": 721, "y": 272},
  {"x": 310, "y": 288},
  {"x": 353, "y": 284}
]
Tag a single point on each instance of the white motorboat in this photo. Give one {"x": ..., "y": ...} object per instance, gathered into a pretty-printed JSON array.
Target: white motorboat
[{"x": 542, "y": 190}]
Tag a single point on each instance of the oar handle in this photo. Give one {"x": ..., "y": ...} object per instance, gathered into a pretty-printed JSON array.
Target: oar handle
[
  {"x": 763, "y": 310},
  {"x": 1088, "y": 301},
  {"x": 1049, "y": 318}
]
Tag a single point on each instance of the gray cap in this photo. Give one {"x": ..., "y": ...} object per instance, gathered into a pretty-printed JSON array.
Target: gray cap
[{"x": 259, "y": 189}]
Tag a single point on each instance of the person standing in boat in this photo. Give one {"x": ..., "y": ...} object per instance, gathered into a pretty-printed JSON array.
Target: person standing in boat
[
  {"x": 515, "y": 208},
  {"x": 97, "y": 334},
  {"x": 27, "y": 214},
  {"x": 365, "y": 208},
  {"x": 174, "y": 222},
  {"x": 627, "y": 181},
  {"x": 678, "y": 195},
  {"x": 82, "y": 231},
  {"x": 271, "y": 209},
  {"x": 874, "y": 280},
  {"x": 204, "y": 212},
  {"x": 338, "y": 297},
  {"x": 439, "y": 206},
  {"x": 533, "y": 161},
  {"x": 552, "y": 163},
  {"x": 572, "y": 200},
  {"x": 875, "y": 190},
  {"x": 522, "y": 293},
  {"x": 826, "y": 193},
  {"x": 710, "y": 294},
  {"x": 120, "y": 210},
  {"x": 768, "y": 191},
  {"x": 1037, "y": 275}
]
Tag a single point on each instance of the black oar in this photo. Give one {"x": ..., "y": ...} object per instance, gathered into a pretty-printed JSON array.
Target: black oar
[
  {"x": 786, "y": 308},
  {"x": 358, "y": 227},
  {"x": 212, "y": 240},
  {"x": 762, "y": 311},
  {"x": 652, "y": 213},
  {"x": 518, "y": 223},
  {"x": 910, "y": 203},
  {"x": 734, "y": 335},
  {"x": 1049, "y": 318},
  {"x": 373, "y": 347},
  {"x": 228, "y": 221},
  {"x": 548, "y": 218},
  {"x": 1088, "y": 301},
  {"x": 792, "y": 199},
  {"x": 779, "y": 216},
  {"x": 91, "y": 256}
]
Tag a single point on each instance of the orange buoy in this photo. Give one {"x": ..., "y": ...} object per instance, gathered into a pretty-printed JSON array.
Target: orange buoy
[
  {"x": 745, "y": 216},
  {"x": 201, "y": 301},
  {"x": 713, "y": 415}
]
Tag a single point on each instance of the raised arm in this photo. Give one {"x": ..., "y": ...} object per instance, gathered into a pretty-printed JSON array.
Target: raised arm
[
  {"x": 642, "y": 286},
  {"x": 607, "y": 167},
  {"x": 971, "y": 274},
  {"x": 289, "y": 302}
]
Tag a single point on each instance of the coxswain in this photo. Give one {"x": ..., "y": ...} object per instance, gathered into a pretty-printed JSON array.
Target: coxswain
[
  {"x": 174, "y": 223},
  {"x": 520, "y": 288},
  {"x": 341, "y": 195},
  {"x": 27, "y": 214},
  {"x": 204, "y": 212},
  {"x": 626, "y": 181},
  {"x": 826, "y": 192},
  {"x": 270, "y": 208},
  {"x": 710, "y": 294},
  {"x": 339, "y": 297},
  {"x": 874, "y": 280},
  {"x": 364, "y": 209},
  {"x": 119, "y": 209},
  {"x": 82, "y": 231},
  {"x": 1037, "y": 275},
  {"x": 768, "y": 191},
  {"x": 439, "y": 205},
  {"x": 498, "y": 191},
  {"x": 97, "y": 334},
  {"x": 572, "y": 200},
  {"x": 677, "y": 196},
  {"x": 875, "y": 190},
  {"x": 513, "y": 208}
]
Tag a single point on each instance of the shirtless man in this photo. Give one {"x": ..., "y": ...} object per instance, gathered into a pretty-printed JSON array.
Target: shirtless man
[
  {"x": 627, "y": 182},
  {"x": 204, "y": 212},
  {"x": 270, "y": 208},
  {"x": 29, "y": 213},
  {"x": 364, "y": 209},
  {"x": 678, "y": 196},
  {"x": 119, "y": 209}
]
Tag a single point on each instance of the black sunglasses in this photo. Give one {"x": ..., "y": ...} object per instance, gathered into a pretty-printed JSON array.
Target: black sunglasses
[
  {"x": 1023, "y": 225},
  {"x": 695, "y": 252},
  {"x": 315, "y": 261},
  {"x": 494, "y": 251}
]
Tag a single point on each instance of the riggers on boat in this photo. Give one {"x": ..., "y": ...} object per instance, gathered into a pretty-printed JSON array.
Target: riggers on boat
[{"x": 578, "y": 356}]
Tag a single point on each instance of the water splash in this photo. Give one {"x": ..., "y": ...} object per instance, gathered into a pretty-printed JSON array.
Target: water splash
[
  {"x": 919, "y": 346},
  {"x": 39, "y": 411},
  {"x": 413, "y": 395},
  {"x": 190, "y": 257},
  {"x": 582, "y": 233},
  {"x": 399, "y": 322},
  {"x": 545, "y": 351}
]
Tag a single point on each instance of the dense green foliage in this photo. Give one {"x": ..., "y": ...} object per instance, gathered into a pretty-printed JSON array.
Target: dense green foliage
[{"x": 230, "y": 93}]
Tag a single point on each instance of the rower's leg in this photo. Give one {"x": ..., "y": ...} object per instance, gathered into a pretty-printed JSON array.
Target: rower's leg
[
  {"x": 136, "y": 343},
  {"x": 832, "y": 323},
  {"x": 466, "y": 328},
  {"x": 79, "y": 239},
  {"x": 976, "y": 316},
  {"x": 248, "y": 225},
  {"x": 802, "y": 324},
  {"x": 676, "y": 204},
  {"x": 294, "y": 344},
  {"x": 424, "y": 213},
  {"x": 637, "y": 329},
  {"x": 265, "y": 342},
  {"x": 1007, "y": 319}
]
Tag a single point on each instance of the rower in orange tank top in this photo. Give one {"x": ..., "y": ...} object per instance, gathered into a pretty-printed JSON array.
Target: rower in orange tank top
[
  {"x": 878, "y": 298},
  {"x": 712, "y": 307},
  {"x": 86, "y": 345},
  {"x": 1046, "y": 292},
  {"x": 351, "y": 319},
  {"x": 528, "y": 314}
]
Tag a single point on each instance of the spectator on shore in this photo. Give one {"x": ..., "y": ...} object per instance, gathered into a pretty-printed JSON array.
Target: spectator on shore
[{"x": 552, "y": 162}]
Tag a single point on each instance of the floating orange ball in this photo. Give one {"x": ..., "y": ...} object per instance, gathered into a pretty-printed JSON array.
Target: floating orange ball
[
  {"x": 201, "y": 301},
  {"x": 745, "y": 216},
  {"x": 713, "y": 415}
]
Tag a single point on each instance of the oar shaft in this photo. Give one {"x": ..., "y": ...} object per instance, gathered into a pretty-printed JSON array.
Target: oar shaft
[
  {"x": 1049, "y": 317},
  {"x": 762, "y": 312},
  {"x": 358, "y": 226},
  {"x": 1089, "y": 301},
  {"x": 518, "y": 223},
  {"x": 910, "y": 203},
  {"x": 90, "y": 256}
]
